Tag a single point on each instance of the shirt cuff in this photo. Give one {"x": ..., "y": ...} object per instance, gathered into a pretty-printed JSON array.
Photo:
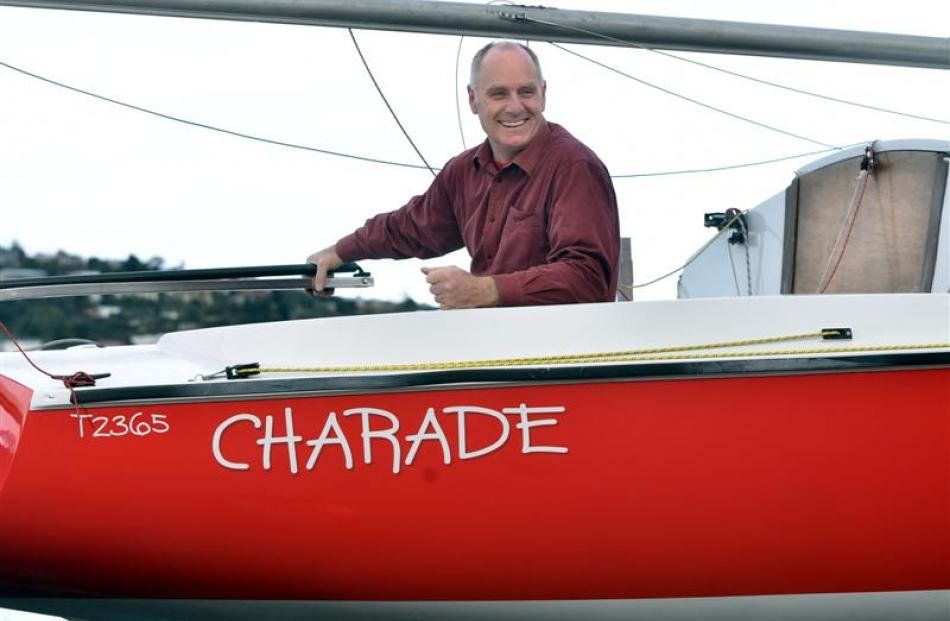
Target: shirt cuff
[{"x": 510, "y": 289}]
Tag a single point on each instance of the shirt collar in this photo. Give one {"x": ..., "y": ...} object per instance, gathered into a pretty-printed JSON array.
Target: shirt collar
[{"x": 527, "y": 160}]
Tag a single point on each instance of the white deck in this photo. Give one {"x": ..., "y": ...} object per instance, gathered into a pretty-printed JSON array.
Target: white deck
[{"x": 434, "y": 336}]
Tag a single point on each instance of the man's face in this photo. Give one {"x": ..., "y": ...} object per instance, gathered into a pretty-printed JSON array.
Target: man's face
[{"x": 509, "y": 101}]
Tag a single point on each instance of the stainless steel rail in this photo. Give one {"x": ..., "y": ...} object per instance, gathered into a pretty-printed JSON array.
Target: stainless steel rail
[{"x": 221, "y": 279}]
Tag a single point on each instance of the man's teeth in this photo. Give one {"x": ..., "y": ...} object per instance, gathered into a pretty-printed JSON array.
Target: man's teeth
[{"x": 513, "y": 123}]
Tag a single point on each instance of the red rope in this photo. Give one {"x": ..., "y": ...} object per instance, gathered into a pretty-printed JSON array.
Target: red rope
[
  {"x": 850, "y": 229},
  {"x": 79, "y": 378}
]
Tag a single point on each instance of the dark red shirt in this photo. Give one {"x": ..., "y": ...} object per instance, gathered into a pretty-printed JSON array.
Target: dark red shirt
[{"x": 545, "y": 226}]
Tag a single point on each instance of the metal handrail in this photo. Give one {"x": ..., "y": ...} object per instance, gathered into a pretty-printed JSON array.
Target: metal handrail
[{"x": 262, "y": 278}]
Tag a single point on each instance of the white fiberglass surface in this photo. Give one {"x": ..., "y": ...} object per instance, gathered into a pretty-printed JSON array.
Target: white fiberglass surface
[
  {"x": 553, "y": 330},
  {"x": 435, "y": 336}
]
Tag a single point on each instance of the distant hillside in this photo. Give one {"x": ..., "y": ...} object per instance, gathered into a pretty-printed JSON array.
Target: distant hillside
[{"x": 114, "y": 319}]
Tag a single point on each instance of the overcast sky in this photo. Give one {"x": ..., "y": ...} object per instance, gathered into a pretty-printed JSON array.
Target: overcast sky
[{"x": 93, "y": 178}]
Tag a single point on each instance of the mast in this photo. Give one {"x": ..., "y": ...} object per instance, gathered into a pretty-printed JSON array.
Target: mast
[{"x": 522, "y": 22}]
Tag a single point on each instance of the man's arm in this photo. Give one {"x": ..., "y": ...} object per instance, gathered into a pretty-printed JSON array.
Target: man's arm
[
  {"x": 583, "y": 234},
  {"x": 423, "y": 228}
]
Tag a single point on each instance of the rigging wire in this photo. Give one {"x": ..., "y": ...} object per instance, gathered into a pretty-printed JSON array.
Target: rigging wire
[
  {"x": 458, "y": 106},
  {"x": 691, "y": 100},
  {"x": 363, "y": 158},
  {"x": 802, "y": 91},
  {"x": 386, "y": 101},
  {"x": 737, "y": 74},
  {"x": 744, "y": 239},
  {"x": 725, "y": 229},
  {"x": 732, "y": 262},
  {"x": 169, "y": 117},
  {"x": 458, "y": 60},
  {"x": 748, "y": 258},
  {"x": 731, "y": 166}
]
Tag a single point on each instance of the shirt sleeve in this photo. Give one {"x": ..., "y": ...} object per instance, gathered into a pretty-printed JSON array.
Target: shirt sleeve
[
  {"x": 423, "y": 228},
  {"x": 583, "y": 233}
]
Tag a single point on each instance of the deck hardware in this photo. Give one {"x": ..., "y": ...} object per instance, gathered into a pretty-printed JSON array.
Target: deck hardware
[
  {"x": 243, "y": 371},
  {"x": 836, "y": 334},
  {"x": 519, "y": 17},
  {"x": 868, "y": 161},
  {"x": 80, "y": 378},
  {"x": 732, "y": 218}
]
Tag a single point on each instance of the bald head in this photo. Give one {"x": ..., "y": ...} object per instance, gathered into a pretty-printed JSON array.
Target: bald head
[{"x": 479, "y": 59}]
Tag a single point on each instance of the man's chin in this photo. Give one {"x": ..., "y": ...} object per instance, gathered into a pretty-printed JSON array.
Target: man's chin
[
  {"x": 515, "y": 146},
  {"x": 508, "y": 148}
]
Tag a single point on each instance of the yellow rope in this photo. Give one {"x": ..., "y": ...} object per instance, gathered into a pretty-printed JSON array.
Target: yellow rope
[
  {"x": 673, "y": 353},
  {"x": 589, "y": 358},
  {"x": 781, "y": 352}
]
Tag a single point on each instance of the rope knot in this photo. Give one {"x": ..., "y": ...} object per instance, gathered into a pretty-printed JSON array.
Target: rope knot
[{"x": 77, "y": 379}]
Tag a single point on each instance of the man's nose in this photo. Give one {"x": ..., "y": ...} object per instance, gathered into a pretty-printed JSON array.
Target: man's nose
[{"x": 514, "y": 104}]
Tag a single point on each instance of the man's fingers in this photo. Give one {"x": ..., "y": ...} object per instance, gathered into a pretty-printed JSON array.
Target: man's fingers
[
  {"x": 320, "y": 279},
  {"x": 433, "y": 274},
  {"x": 316, "y": 276},
  {"x": 320, "y": 282},
  {"x": 325, "y": 260}
]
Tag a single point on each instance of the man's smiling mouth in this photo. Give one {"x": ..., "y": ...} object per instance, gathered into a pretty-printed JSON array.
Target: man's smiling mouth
[{"x": 518, "y": 123}]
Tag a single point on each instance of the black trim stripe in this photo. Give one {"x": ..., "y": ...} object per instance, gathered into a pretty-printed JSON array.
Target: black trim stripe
[{"x": 270, "y": 388}]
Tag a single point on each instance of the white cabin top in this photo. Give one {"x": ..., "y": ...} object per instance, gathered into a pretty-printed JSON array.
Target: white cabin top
[{"x": 839, "y": 228}]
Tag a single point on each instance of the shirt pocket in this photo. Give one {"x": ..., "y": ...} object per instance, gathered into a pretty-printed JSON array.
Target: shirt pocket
[
  {"x": 524, "y": 241},
  {"x": 525, "y": 218}
]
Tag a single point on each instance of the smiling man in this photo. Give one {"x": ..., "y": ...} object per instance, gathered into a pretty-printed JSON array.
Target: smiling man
[{"x": 534, "y": 207}]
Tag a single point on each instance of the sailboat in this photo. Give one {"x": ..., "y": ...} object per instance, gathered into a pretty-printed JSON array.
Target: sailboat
[{"x": 772, "y": 443}]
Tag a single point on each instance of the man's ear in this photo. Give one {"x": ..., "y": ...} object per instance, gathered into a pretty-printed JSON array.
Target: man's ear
[
  {"x": 471, "y": 100},
  {"x": 544, "y": 94}
]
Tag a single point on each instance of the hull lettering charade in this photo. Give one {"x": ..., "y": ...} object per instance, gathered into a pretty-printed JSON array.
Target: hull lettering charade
[{"x": 385, "y": 429}]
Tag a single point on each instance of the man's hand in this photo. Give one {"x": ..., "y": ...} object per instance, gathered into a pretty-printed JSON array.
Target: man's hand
[
  {"x": 455, "y": 288},
  {"x": 325, "y": 260}
]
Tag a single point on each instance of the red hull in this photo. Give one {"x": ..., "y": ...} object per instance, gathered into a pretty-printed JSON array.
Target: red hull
[{"x": 669, "y": 488}]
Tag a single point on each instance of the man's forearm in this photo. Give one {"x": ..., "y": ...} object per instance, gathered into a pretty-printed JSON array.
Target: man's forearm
[{"x": 561, "y": 282}]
